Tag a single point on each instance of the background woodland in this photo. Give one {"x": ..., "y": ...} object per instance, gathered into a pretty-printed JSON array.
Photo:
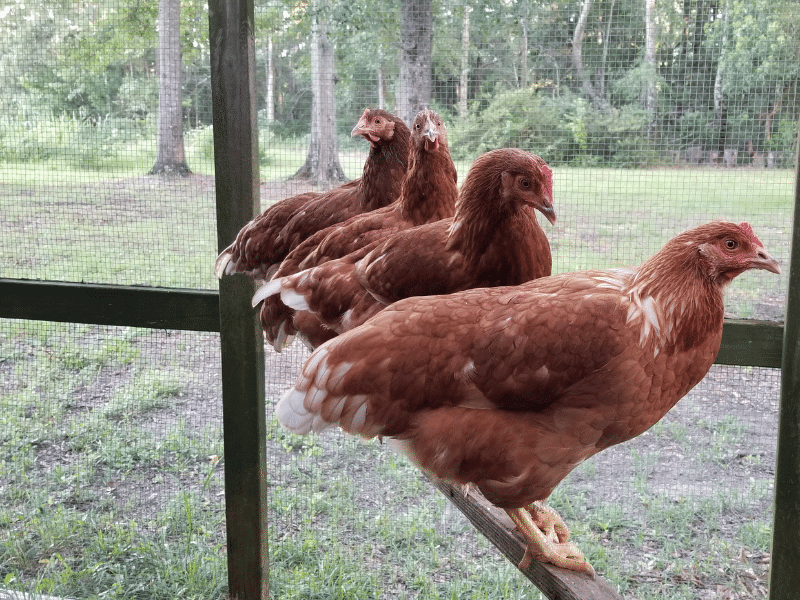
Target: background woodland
[{"x": 597, "y": 82}]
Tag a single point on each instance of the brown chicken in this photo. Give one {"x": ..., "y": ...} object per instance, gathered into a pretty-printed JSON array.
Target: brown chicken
[
  {"x": 509, "y": 389},
  {"x": 494, "y": 239},
  {"x": 266, "y": 240},
  {"x": 428, "y": 194}
]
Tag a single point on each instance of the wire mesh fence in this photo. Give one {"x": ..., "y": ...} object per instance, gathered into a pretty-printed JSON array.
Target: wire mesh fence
[{"x": 655, "y": 117}]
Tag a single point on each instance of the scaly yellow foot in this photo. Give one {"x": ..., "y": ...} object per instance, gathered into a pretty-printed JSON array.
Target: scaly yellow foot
[{"x": 547, "y": 538}]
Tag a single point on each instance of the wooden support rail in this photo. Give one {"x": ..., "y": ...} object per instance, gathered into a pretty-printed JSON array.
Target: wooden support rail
[
  {"x": 744, "y": 342},
  {"x": 554, "y": 582}
]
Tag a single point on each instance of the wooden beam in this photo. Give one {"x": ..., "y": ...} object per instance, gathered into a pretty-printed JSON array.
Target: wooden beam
[
  {"x": 744, "y": 342},
  {"x": 123, "y": 305},
  {"x": 231, "y": 26},
  {"x": 496, "y": 526},
  {"x": 784, "y": 575},
  {"x": 751, "y": 343}
]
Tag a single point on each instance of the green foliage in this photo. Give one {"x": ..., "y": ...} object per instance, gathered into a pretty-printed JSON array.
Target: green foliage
[
  {"x": 72, "y": 140},
  {"x": 561, "y": 130},
  {"x": 518, "y": 118}
]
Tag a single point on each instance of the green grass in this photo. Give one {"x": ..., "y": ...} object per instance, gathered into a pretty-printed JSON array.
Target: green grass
[
  {"x": 94, "y": 421},
  {"x": 347, "y": 519}
]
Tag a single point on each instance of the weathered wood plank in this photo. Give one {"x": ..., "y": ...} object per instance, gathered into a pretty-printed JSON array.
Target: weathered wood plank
[
  {"x": 496, "y": 526},
  {"x": 744, "y": 342},
  {"x": 784, "y": 576},
  {"x": 751, "y": 343},
  {"x": 131, "y": 306},
  {"x": 231, "y": 26}
]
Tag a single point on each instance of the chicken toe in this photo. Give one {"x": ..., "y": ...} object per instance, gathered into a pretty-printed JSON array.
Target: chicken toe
[
  {"x": 541, "y": 546},
  {"x": 549, "y": 522}
]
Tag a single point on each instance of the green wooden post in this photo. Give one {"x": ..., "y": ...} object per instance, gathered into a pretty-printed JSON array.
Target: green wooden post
[
  {"x": 784, "y": 576},
  {"x": 237, "y": 180}
]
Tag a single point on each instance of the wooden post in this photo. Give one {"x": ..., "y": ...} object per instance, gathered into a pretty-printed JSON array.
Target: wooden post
[
  {"x": 243, "y": 411},
  {"x": 784, "y": 576}
]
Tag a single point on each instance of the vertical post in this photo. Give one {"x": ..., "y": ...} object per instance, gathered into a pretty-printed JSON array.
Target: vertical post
[
  {"x": 243, "y": 410},
  {"x": 784, "y": 576}
]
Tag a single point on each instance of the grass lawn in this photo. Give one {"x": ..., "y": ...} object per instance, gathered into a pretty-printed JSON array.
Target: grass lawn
[{"x": 111, "y": 457}]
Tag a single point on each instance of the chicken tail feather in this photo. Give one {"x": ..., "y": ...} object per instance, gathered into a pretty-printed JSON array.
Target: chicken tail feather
[
  {"x": 265, "y": 291},
  {"x": 223, "y": 265}
]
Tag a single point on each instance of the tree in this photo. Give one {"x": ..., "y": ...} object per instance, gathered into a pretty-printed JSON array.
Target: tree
[
  {"x": 416, "y": 44},
  {"x": 171, "y": 156},
  {"x": 269, "y": 68},
  {"x": 463, "y": 84},
  {"x": 322, "y": 161},
  {"x": 650, "y": 92},
  {"x": 577, "y": 57}
]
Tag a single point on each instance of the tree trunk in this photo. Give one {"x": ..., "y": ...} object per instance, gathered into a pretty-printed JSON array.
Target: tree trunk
[
  {"x": 322, "y": 162},
  {"x": 416, "y": 42},
  {"x": 606, "y": 45},
  {"x": 463, "y": 83},
  {"x": 523, "y": 52},
  {"x": 171, "y": 157},
  {"x": 720, "y": 114},
  {"x": 577, "y": 57},
  {"x": 650, "y": 92},
  {"x": 270, "y": 91},
  {"x": 381, "y": 82}
]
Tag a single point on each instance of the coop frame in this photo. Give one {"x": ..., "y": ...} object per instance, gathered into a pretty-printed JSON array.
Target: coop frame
[{"x": 228, "y": 312}]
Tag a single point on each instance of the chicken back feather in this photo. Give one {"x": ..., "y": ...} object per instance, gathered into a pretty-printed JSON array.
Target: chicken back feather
[
  {"x": 428, "y": 194},
  {"x": 494, "y": 239},
  {"x": 510, "y": 388}
]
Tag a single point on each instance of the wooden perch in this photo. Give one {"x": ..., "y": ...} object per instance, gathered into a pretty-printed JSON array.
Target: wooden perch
[{"x": 496, "y": 526}]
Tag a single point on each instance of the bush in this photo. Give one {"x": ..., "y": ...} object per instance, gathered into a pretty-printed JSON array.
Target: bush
[
  {"x": 518, "y": 118},
  {"x": 567, "y": 129}
]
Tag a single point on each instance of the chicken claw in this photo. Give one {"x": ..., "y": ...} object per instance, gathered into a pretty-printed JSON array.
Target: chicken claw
[
  {"x": 547, "y": 536},
  {"x": 549, "y": 522}
]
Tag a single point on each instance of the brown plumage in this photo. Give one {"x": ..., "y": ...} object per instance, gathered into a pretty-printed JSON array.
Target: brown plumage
[
  {"x": 510, "y": 388},
  {"x": 494, "y": 239},
  {"x": 428, "y": 194},
  {"x": 265, "y": 241}
]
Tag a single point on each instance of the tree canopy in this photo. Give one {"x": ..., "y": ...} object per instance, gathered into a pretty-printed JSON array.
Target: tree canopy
[{"x": 571, "y": 80}]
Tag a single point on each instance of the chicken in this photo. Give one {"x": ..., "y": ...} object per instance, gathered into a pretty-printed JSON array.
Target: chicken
[
  {"x": 266, "y": 240},
  {"x": 494, "y": 239},
  {"x": 428, "y": 194},
  {"x": 508, "y": 389}
]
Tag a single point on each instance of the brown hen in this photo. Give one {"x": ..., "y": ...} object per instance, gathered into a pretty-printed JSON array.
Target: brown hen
[
  {"x": 509, "y": 389},
  {"x": 494, "y": 239},
  {"x": 428, "y": 194},
  {"x": 265, "y": 241}
]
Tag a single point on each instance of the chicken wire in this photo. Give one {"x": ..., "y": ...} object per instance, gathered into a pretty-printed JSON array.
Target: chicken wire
[{"x": 115, "y": 433}]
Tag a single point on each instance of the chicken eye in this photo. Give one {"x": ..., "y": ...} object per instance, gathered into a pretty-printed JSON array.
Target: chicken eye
[
  {"x": 525, "y": 183},
  {"x": 731, "y": 244}
]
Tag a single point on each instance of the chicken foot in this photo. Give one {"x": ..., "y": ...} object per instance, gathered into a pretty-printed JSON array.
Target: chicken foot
[{"x": 548, "y": 538}]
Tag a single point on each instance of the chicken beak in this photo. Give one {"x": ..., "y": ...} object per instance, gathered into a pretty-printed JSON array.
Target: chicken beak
[
  {"x": 546, "y": 208},
  {"x": 360, "y": 128},
  {"x": 431, "y": 135},
  {"x": 764, "y": 261}
]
